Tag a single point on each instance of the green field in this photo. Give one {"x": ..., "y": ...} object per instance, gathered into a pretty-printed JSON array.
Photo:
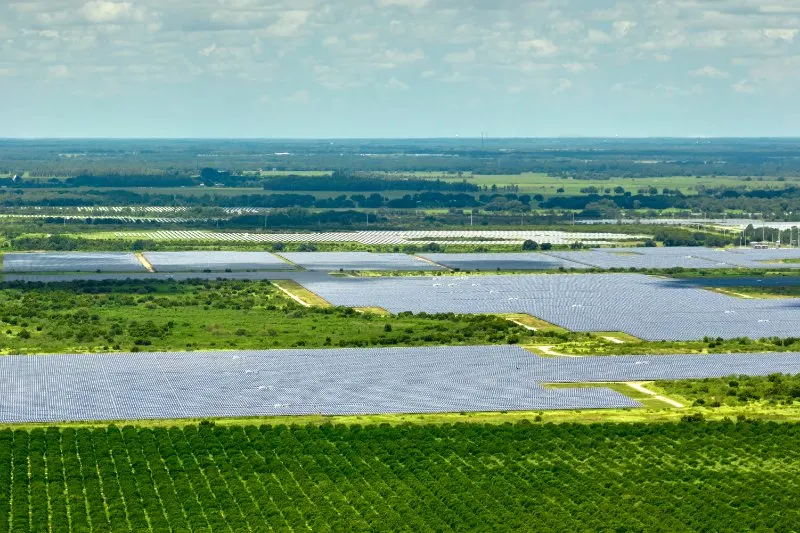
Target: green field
[
  {"x": 735, "y": 391},
  {"x": 594, "y": 344},
  {"x": 687, "y": 476},
  {"x": 169, "y": 315},
  {"x": 538, "y": 183}
]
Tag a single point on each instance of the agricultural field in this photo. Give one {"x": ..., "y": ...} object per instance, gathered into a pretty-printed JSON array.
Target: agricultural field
[{"x": 687, "y": 476}]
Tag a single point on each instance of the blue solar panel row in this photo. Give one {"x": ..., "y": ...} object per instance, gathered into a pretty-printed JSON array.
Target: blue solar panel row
[
  {"x": 681, "y": 257},
  {"x": 644, "y": 306},
  {"x": 331, "y": 261},
  {"x": 72, "y": 262},
  {"x": 342, "y": 381},
  {"x": 503, "y": 261},
  {"x": 215, "y": 261}
]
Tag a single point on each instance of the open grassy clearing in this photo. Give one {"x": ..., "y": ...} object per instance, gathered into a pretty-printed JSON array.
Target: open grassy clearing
[
  {"x": 736, "y": 391},
  {"x": 170, "y": 315},
  {"x": 549, "y": 185},
  {"x": 649, "y": 401},
  {"x": 300, "y": 294},
  {"x": 718, "y": 476},
  {"x": 784, "y": 291},
  {"x": 595, "y": 344},
  {"x": 533, "y": 322}
]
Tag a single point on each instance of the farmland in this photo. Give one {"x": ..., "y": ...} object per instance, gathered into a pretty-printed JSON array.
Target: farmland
[
  {"x": 684, "y": 476},
  {"x": 310, "y": 385}
]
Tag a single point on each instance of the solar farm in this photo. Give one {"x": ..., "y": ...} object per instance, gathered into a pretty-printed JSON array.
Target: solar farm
[
  {"x": 215, "y": 261},
  {"x": 72, "y": 262},
  {"x": 344, "y": 381},
  {"x": 646, "y": 307},
  {"x": 393, "y": 237},
  {"x": 330, "y": 261},
  {"x": 683, "y": 257},
  {"x": 503, "y": 261}
]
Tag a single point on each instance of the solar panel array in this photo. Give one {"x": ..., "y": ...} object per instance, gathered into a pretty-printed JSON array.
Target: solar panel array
[
  {"x": 178, "y": 276},
  {"x": 502, "y": 261},
  {"x": 475, "y": 237},
  {"x": 644, "y": 306},
  {"x": 329, "y": 261},
  {"x": 341, "y": 381},
  {"x": 680, "y": 256},
  {"x": 199, "y": 261},
  {"x": 72, "y": 262}
]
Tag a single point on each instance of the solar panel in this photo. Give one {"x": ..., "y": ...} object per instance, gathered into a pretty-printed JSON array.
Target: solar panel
[
  {"x": 71, "y": 262},
  {"x": 502, "y": 261},
  {"x": 330, "y": 261},
  {"x": 215, "y": 261},
  {"x": 644, "y": 306},
  {"x": 335, "y": 381}
]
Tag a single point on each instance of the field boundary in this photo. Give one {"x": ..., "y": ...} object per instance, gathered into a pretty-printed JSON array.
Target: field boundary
[{"x": 300, "y": 294}]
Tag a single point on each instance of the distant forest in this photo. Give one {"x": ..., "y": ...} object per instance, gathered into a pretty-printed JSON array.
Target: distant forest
[{"x": 578, "y": 158}]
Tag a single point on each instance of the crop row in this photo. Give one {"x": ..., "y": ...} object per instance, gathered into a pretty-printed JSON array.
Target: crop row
[{"x": 673, "y": 477}]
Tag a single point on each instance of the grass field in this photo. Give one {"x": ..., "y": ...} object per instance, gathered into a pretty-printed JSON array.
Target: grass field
[
  {"x": 647, "y": 400},
  {"x": 168, "y": 315},
  {"x": 735, "y": 391},
  {"x": 538, "y": 183},
  {"x": 783, "y": 291},
  {"x": 595, "y": 344},
  {"x": 719, "y": 476}
]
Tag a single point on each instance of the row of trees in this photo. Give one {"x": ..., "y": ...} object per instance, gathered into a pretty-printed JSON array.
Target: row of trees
[{"x": 416, "y": 477}]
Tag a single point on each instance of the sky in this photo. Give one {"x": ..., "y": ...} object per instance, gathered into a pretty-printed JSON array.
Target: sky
[{"x": 399, "y": 68}]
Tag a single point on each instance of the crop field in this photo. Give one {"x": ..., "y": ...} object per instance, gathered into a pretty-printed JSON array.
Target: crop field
[
  {"x": 135, "y": 386},
  {"x": 598, "y": 302},
  {"x": 525, "y": 477}
]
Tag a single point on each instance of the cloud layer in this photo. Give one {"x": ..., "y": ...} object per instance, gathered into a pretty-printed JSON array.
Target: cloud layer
[{"x": 422, "y": 64}]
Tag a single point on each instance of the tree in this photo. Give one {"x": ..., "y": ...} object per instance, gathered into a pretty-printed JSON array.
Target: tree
[
  {"x": 530, "y": 245},
  {"x": 546, "y": 246}
]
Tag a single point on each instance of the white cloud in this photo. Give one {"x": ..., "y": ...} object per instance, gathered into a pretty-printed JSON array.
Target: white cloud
[
  {"x": 598, "y": 37},
  {"x": 104, "y": 12},
  {"x": 398, "y": 57},
  {"x": 208, "y": 50},
  {"x": 709, "y": 72},
  {"x": 461, "y": 57},
  {"x": 288, "y": 24},
  {"x": 411, "y": 4},
  {"x": 564, "y": 85},
  {"x": 298, "y": 97},
  {"x": 541, "y": 47},
  {"x": 396, "y": 85},
  {"x": 58, "y": 71},
  {"x": 744, "y": 86},
  {"x": 622, "y": 28},
  {"x": 783, "y": 34}
]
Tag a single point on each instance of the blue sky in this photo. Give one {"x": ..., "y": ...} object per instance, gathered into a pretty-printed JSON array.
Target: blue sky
[{"x": 399, "y": 68}]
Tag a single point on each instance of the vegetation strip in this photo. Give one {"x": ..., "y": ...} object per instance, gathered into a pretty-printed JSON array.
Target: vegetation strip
[{"x": 462, "y": 476}]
